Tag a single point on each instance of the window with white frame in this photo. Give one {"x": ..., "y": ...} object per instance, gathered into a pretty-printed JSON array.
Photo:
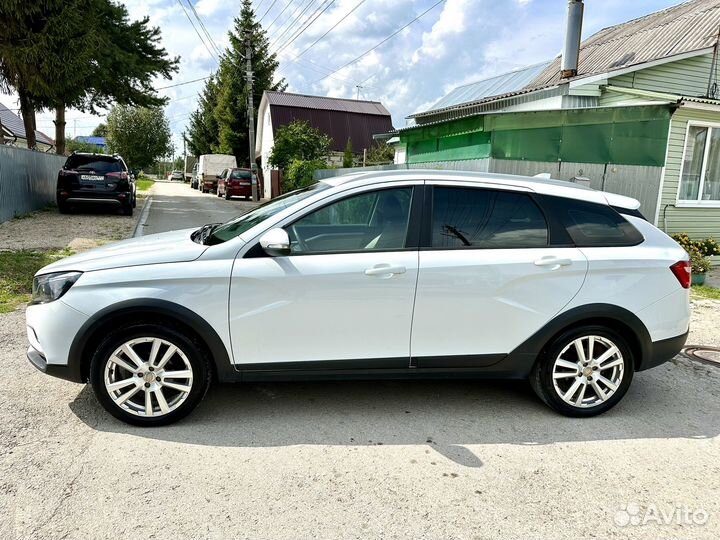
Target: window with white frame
[{"x": 700, "y": 175}]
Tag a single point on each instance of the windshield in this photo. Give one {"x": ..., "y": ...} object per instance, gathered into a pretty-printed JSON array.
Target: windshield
[
  {"x": 240, "y": 175},
  {"x": 243, "y": 223}
]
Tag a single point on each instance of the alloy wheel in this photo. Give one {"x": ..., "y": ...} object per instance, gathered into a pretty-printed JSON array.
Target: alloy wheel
[
  {"x": 588, "y": 371},
  {"x": 148, "y": 377}
]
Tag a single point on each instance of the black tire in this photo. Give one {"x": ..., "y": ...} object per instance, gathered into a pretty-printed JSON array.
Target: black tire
[
  {"x": 542, "y": 381},
  {"x": 227, "y": 196},
  {"x": 134, "y": 202},
  {"x": 192, "y": 350},
  {"x": 128, "y": 210},
  {"x": 63, "y": 208}
]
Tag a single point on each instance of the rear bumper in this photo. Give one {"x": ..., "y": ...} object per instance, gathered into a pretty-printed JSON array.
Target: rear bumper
[
  {"x": 115, "y": 198},
  {"x": 239, "y": 191},
  {"x": 659, "y": 352}
]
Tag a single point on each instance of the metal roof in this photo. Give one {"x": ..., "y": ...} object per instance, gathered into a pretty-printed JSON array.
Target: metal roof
[
  {"x": 687, "y": 27},
  {"x": 14, "y": 125},
  {"x": 505, "y": 83},
  {"x": 285, "y": 99}
]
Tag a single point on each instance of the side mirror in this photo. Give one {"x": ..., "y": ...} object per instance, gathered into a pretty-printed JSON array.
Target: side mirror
[
  {"x": 217, "y": 176},
  {"x": 276, "y": 242}
]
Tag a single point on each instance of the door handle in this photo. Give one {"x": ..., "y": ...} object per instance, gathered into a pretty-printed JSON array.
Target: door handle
[
  {"x": 555, "y": 262},
  {"x": 385, "y": 270}
]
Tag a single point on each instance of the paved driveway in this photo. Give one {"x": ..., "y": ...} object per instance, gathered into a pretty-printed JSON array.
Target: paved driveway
[{"x": 176, "y": 206}]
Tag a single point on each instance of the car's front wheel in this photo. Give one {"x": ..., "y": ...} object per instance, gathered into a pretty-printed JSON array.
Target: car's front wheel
[
  {"x": 149, "y": 375},
  {"x": 584, "y": 372}
]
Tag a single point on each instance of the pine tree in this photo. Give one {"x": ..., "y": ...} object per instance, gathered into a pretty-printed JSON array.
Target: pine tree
[
  {"x": 203, "y": 129},
  {"x": 231, "y": 112}
]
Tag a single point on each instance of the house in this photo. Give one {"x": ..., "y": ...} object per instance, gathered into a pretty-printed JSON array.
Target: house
[
  {"x": 340, "y": 119},
  {"x": 99, "y": 142},
  {"x": 14, "y": 131},
  {"x": 635, "y": 110}
]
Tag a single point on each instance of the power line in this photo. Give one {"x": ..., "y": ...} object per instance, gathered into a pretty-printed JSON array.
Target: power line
[
  {"x": 183, "y": 83},
  {"x": 384, "y": 40},
  {"x": 292, "y": 20},
  {"x": 196, "y": 30},
  {"x": 268, "y": 10},
  {"x": 204, "y": 29},
  {"x": 332, "y": 27},
  {"x": 304, "y": 29},
  {"x": 279, "y": 15}
]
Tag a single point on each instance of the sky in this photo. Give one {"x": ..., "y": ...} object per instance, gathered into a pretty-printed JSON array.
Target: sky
[{"x": 455, "y": 42}]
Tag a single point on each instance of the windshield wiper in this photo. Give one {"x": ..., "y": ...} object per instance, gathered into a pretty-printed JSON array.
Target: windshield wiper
[{"x": 205, "y": 231}]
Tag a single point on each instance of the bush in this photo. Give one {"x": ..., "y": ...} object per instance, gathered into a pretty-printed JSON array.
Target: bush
[
  {"x": 300, "y": 173},
  {"x": 699, "y": 262},
  {"x": 706, "y": 247}
]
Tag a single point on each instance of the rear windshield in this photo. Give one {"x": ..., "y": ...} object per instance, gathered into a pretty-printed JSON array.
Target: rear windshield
[
  {"x": 97, "y": 164},
  {"x": 241, "y": 175}
]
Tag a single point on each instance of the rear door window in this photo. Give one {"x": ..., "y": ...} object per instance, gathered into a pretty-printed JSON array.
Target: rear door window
[
  {"x": 591, "y": 224},
  {"x": 240, "y": 175},
  {"x": 485, "y": 218}
]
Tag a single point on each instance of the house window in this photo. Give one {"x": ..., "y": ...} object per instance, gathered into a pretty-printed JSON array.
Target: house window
[{"x": 700, "y": 177}]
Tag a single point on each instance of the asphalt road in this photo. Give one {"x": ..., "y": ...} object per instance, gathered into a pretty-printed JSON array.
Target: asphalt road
[
  {"x": 176, "y": 206},
  {"x": 392, "y": 459}
]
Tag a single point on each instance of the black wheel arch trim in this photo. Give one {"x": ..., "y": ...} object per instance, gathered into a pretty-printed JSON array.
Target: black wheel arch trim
[
  {"x": 639, "y": 337},
  {"x": 223, "y": 368}
]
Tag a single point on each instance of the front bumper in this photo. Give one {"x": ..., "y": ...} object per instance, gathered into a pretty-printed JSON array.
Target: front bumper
[
  {"x": 659, "y": 352},
  {"x": 51, "y": 329}
]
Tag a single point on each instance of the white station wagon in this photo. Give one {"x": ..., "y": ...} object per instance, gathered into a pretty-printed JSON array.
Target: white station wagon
[{"x": 390, "y": 274}]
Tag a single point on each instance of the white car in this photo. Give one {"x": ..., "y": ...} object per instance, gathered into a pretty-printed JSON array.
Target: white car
[{"x": 388, "y": 274}]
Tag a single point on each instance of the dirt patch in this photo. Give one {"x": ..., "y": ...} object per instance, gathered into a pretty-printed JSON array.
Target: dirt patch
[
  {"x": 705, "y": 322},
  {"x": 49, "y": 229}
]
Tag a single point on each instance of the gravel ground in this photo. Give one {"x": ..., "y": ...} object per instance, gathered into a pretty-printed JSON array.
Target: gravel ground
[
  {"x": 449, "y": 459},
  {"x": 49, "y": 229}
]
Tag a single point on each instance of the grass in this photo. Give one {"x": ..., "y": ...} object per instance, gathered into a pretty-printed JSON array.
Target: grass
[
  {"x": 17, "y": 269},
  {"x": 144, "y": 184},
  {"x": 706, "y": 292}
]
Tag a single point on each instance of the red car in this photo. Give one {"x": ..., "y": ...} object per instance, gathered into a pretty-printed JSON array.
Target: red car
[{"x": 236, "y": 182}]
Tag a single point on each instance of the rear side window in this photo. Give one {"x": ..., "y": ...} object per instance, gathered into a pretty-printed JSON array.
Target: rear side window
[
  {"x": 483, "y": 218},
  {"x": 593, "y": 225},
  {"x": 97, "y": 164}
]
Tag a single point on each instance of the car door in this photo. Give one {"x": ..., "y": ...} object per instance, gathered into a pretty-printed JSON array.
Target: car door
[
  {"x": 490, "y": 276},
  {"x": 342, "y": 299}
]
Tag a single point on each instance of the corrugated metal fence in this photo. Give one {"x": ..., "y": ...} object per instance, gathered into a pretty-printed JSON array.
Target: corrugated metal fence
[{"x": 27, "y": 180}]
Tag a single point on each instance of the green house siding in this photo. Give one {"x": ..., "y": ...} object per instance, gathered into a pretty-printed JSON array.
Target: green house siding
[
  {"x": 697, "y": 222},
  {"x": 687, "y": 77},
  {"x": 623, "y": 136}
]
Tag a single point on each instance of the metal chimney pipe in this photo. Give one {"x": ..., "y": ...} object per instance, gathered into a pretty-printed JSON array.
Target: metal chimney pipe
[{"x": 573, "y": 31}]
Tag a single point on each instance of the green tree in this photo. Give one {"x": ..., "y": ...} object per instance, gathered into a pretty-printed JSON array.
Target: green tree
[
  {"x": 203, "y": 130},
  {"x": 85, "y": 54},
  {"x": 100, "y": 130},
  {"x": 140, "y": 134},
  {"x": 300, "y": 173},
  {"x": 79, "y": 146},
  {"x": 348, "y": 156},
  {"x": 231, "y": 111},
  {"x": 381, "y": 154},
  {"x": 298, "y": 140}
]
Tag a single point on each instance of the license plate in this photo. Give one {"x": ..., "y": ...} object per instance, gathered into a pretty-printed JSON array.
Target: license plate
[{"x": 92, "y": 178}]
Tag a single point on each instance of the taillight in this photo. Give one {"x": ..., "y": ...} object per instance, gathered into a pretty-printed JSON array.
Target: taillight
[
  {"x": 683, "y": 273},
  {"x": 119, "y": 175}
]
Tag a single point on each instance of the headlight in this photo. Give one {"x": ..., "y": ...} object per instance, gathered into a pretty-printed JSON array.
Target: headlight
[{"x": 49, "y": 287}]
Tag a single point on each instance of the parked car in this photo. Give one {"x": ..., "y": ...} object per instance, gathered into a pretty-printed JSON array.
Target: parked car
[
  {"x": 96, "y": 179},
  {"x": 236, "y": 182},
  {"x": 387, "y": 274},
  {"x": 177, "y": 175},
  {"x": 210, "y": 166}
]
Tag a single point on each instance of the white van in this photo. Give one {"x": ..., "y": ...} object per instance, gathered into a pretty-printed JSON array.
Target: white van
[{"x": 209, "y": 168}]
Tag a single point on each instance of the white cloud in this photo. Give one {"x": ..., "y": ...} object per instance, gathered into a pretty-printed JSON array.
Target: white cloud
[{"x": 207, "y": 7}]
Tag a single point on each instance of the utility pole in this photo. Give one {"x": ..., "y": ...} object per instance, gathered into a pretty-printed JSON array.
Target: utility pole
[
  {"x": 251, "y": 118},
  {"x": 358, "y": 91},
  {"x": 184, "y": 156}
]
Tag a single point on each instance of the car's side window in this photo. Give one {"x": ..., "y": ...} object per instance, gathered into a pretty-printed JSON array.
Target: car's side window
[
  {"x": 591, "y": 224},
  {"x": 376, "y": 220},
  {"x": 485, "y": 218}
]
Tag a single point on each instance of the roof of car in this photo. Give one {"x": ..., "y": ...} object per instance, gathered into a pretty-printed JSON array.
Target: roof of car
[{"x": 547, "y": 186}]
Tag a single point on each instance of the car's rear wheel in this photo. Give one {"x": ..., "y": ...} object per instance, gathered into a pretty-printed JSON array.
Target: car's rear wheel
[
  {"x": 63, "y": 207},
  {"x": 149, "y": 375},
  {"x": 227, "y": 195},
  {"x": 584, "y": 372},
  {"x": 128, "y": 209}
]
